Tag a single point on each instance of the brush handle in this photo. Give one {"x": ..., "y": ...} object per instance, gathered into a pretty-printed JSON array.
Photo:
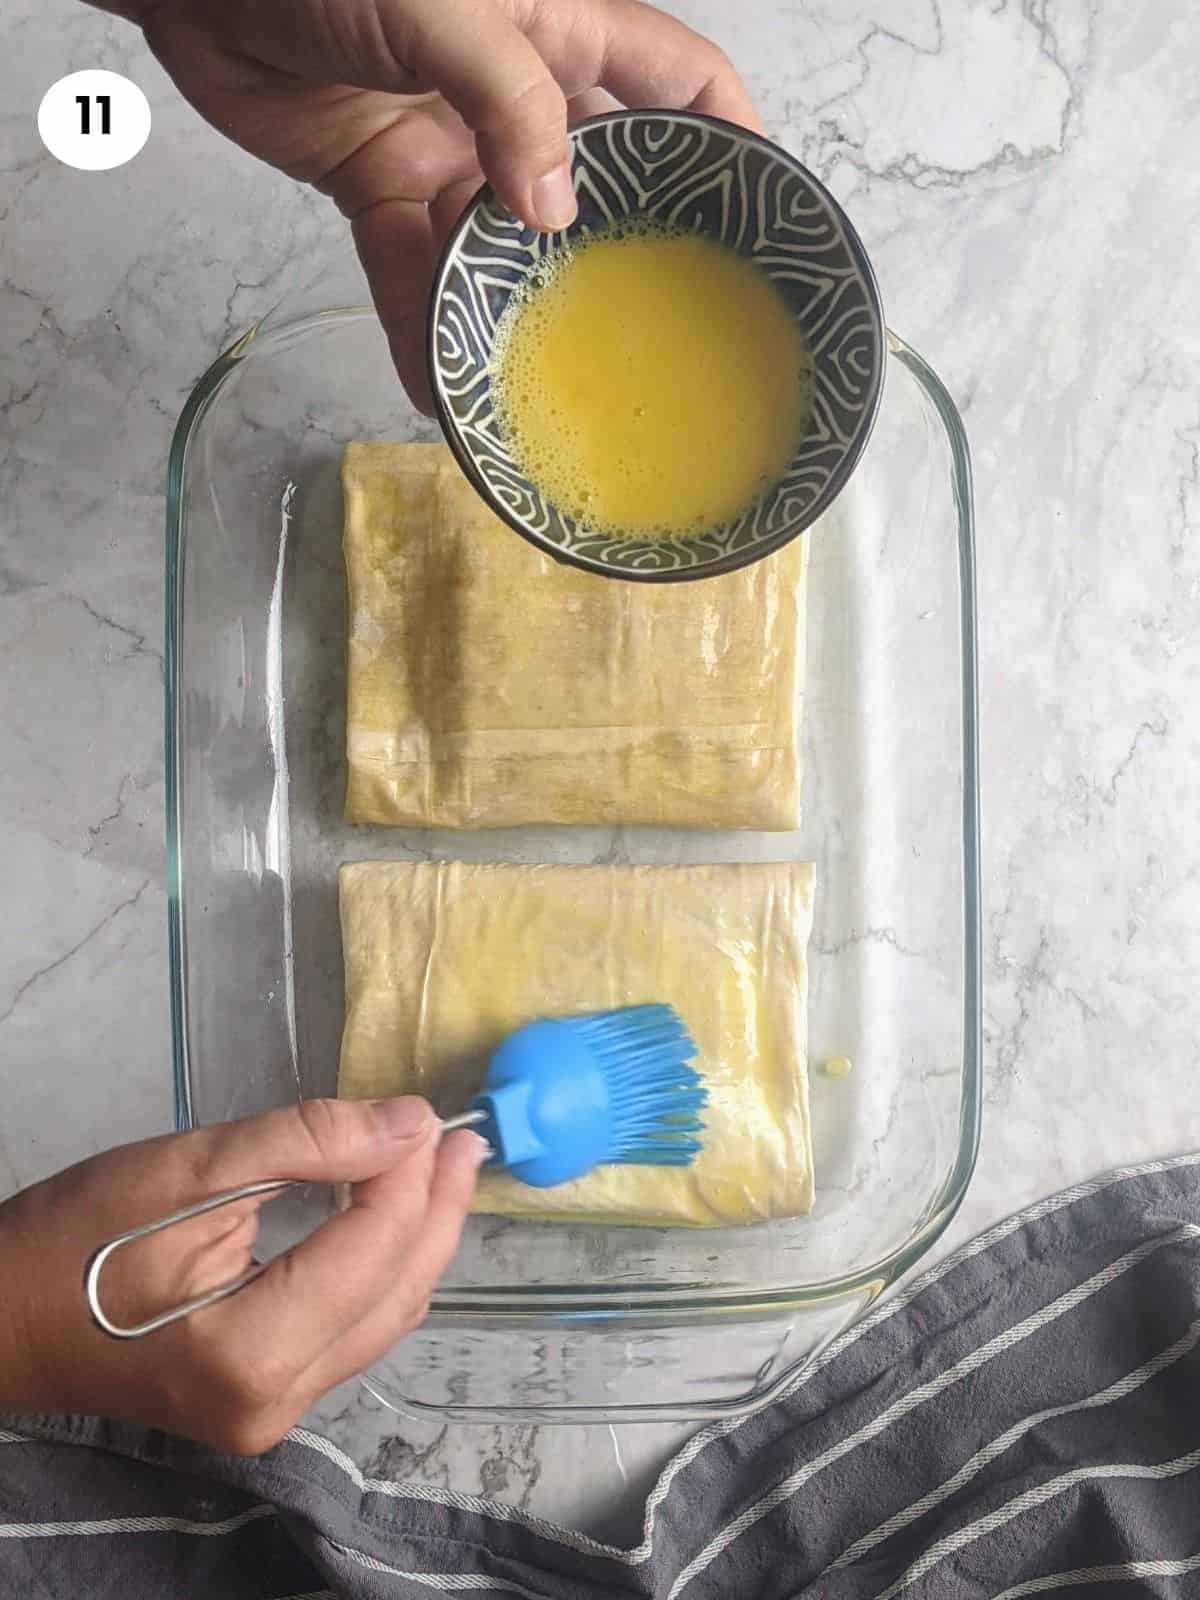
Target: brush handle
[
  {"x": 465, "y": 1119},
  {"x": 474, "y": 1118}
]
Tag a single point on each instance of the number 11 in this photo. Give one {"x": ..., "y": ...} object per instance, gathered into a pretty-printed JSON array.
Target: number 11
[{"x": 84, "y": 102}]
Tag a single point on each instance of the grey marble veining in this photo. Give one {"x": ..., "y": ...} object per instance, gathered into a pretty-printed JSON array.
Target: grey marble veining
[{"x": 1023, "y": 175}]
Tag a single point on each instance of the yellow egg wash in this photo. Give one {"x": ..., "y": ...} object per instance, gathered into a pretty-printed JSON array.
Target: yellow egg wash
[{"x": 651, "y": 382}]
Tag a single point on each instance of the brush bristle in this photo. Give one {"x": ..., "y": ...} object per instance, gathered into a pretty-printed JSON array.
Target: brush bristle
[{"x": 655, "y": 1095}]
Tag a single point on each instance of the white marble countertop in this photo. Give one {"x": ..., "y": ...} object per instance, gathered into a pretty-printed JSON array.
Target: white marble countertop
[{"x": 1024, "y": 177}]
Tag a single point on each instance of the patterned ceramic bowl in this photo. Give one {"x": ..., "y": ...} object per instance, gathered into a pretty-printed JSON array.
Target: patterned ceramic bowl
[{"x": 692, "y": 172}]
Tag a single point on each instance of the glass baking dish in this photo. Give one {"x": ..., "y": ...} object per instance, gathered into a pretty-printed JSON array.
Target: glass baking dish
[{"x": 538, "y": 1321}]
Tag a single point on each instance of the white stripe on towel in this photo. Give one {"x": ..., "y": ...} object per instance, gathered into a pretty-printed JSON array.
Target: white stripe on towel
[
  {"x": 1115, "y": 1574},
  {"x": 443, "y": 1582},
  {"x": 88, "y": 1530},
  {"x": 996, "y": 1447},
  {"x": 1004, "y": 1341},
  {"x": 1029, "y": 1501}
]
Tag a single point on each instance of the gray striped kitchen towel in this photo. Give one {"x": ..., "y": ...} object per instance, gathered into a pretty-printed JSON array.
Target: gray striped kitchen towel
[{"x": 1021, "y": 1420}]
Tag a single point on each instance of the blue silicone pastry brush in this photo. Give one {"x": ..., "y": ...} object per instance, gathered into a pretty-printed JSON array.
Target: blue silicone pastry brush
[
  {"x": 561, "y": 1096},
  {"x": 565, "y": 1095}
]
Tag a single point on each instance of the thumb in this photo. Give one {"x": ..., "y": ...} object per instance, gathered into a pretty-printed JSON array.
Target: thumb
[
  {"x": 469, "y": 51},
  {"x": 316, "y": 1141},
  {"x": 504, "y": 91}
]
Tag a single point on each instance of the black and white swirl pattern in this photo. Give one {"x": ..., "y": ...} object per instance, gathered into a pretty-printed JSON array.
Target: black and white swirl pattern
[{"x": 697, "y": 174}]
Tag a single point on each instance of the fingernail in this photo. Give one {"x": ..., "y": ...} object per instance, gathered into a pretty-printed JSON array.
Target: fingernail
[
  {"x": 481, "y": 1150},
  {"x": 554, "y": 198},
  {"x": 404, "y": 1117}
]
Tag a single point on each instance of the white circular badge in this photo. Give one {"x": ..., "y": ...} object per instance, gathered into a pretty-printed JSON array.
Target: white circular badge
[{"x": 94, "y": 120}]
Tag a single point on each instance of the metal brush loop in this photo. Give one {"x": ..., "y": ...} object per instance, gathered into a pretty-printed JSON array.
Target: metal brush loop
[
  {"x": 98, "y": 1261},
  {"x": 95, "y": 1266}
]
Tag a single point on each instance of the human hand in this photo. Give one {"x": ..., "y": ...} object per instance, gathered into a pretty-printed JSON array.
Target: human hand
[
  {"x": 239, "y": 1374},
  {"x": 398, "y": 108}
]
